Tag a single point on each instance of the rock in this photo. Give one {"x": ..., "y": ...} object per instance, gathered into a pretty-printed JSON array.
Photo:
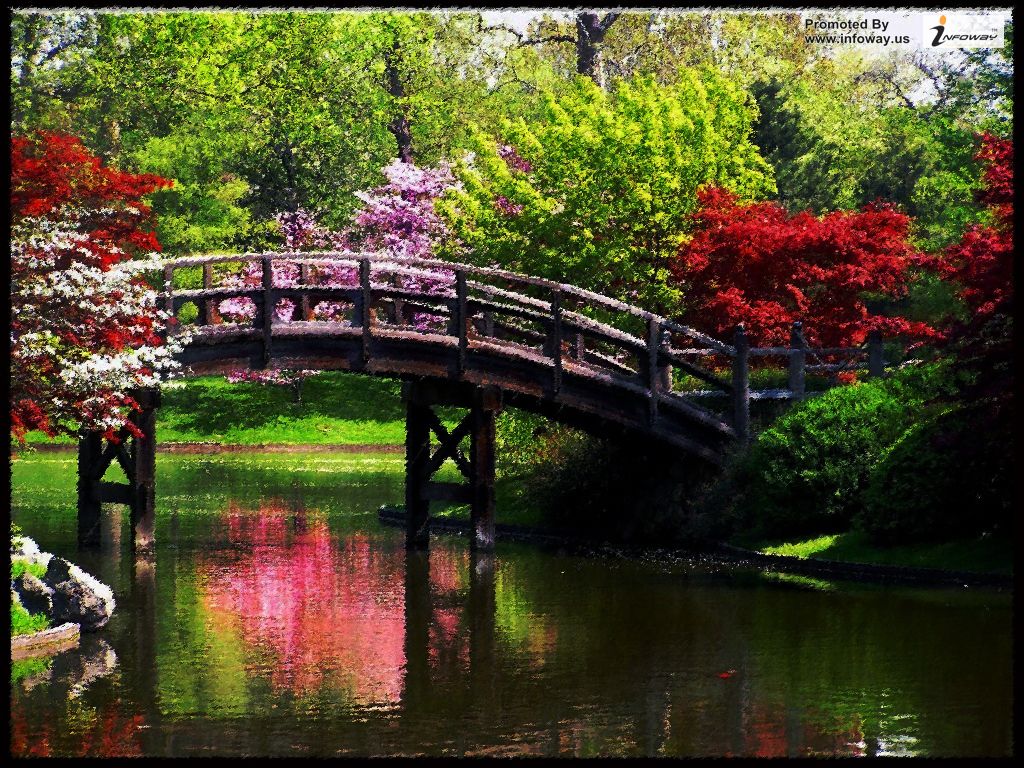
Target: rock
[
  {"x": 77, "y": 596},
  {"x": 23, "y": 548},
  {"x": 34, "y": 595},
  {"x": 96, "y": 660}
]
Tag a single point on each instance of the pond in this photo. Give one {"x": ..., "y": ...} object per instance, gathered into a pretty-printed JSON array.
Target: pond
[{"x": 278, "y": 616}]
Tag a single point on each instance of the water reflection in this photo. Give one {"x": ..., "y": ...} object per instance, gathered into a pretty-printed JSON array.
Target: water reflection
[
  {"x": 311, "y": 610},
  {"x": 278, "y": 617}
]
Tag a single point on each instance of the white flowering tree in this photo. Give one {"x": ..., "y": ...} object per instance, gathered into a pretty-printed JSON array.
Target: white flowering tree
[{"x": 85, "y": 326}]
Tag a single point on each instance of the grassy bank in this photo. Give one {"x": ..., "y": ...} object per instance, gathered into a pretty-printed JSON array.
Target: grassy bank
[
  {"x": 987, "y": 555},
  {"x": 337, "y": 409},
  {"x": 23, "y": 622}
]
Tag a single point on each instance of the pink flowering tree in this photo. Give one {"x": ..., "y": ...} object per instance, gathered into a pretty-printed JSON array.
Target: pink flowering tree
[{"x": 396, "y": 219}]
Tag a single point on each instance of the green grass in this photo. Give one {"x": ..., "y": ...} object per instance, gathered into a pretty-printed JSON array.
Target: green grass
[
  {"x": 338, "y": 409},
  {"x": 24, "y": 623},
  {"x": 977, "y": 555},
  {"x": 19, "y": 567},
  {"x": 28, "y": 667}
]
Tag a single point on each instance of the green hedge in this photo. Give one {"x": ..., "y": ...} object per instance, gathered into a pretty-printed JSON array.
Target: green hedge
[
  {"x": 948, "y": 477},
  {"x": 805, "y": 474}
]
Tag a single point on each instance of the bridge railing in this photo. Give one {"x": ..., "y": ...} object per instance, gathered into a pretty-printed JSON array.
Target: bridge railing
[{"x": 566, "y": 326}]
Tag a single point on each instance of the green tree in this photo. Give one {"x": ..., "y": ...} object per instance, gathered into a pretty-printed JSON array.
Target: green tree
[{"x": 597, "y": 191}]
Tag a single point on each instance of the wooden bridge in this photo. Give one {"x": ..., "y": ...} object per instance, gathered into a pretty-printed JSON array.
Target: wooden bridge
[{"x": 458, "y": 335}]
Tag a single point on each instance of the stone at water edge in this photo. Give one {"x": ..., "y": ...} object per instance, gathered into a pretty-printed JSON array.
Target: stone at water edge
[
  {"x": 24, "y": 548},
  {"x": 77, "y": 596},
  {"x": 33, "y": 594}
]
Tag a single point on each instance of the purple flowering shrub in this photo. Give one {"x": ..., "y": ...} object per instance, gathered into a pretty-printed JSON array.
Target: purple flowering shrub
[{"x": 396, "y": 219}]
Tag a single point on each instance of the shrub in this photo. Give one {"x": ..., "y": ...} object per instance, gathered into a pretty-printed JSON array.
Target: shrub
[
  {"x": 946, "y": 478},
  {"x": 23, "y": 622},
  {"x": 619, "y": 490},
  {"x": 805, "y": 474}
]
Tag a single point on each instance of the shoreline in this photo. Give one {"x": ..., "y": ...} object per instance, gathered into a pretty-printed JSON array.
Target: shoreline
[
  {"x": 725, "y": 553},
  {"x": 722, "y": 551}
]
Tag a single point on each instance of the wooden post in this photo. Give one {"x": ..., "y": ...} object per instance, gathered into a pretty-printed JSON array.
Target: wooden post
[
  {"x": 417, "y": 458},
  {"x": 741, "y": 384},
  {"x": 418, "y": 614},
  {"x": 486, "y": 404},
  {"x": 556, "y": 340},
  {"x": 665, "y": 368},
  {"x": 579, "y": 348},
  {"x": 797, "y": 361},
  {"x": 143, "y": 461},
  {"x": 268, "y": 307},
  {"x": 305, "y": 308},
  {"x": 653, "y": 380},
  {"x": 208, "y": 312},
  {"x": 366, "y": 299},
  {"x": 481, "y": 609},
  {"x": 90, "y": 446},
  {"x": 461, "y": 317},
  {"x": 876, "y": 358}
]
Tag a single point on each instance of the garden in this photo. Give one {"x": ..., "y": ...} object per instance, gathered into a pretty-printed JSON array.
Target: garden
[{"x": 765, "y": 180}]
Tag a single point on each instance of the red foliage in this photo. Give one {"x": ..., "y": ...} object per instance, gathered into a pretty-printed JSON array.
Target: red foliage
[
  {"x": 757, "y": 264},
  {"x": 982, "y": 262},
  {"x": 51, "y": 170},
  {"x": 57, "y": 185}
]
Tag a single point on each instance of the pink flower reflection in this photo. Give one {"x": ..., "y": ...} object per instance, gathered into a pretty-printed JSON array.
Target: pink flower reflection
[{"x": 329, "y": 613}]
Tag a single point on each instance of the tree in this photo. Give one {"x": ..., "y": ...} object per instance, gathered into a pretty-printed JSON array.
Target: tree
[
  {"x": 597, "y": 190},
  {"x": 757, "y": 264},
  {"x": 981, "y": 263},
  {"x": 85, "y": 328},
  {"x": 397, "y": 219}
]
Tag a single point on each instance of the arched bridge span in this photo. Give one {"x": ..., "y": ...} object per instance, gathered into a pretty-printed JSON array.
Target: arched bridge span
[{"x": 460, "y": 335}]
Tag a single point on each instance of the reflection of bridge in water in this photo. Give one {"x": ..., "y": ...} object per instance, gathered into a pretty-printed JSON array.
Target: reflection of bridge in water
[
  {"x": 455, "y": 661},
  {"x": 463, "y": 336}
]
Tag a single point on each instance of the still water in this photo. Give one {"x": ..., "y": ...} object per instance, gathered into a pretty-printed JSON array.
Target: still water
[{"x": 279, "y": 617}]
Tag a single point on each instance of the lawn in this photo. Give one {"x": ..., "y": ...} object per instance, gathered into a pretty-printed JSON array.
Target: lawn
[
  {"x": 986, "y": 555},
  {"x": 337, "y": 409}
]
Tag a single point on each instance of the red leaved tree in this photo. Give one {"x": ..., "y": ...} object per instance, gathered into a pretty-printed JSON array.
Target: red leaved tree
[
  {"x": 982, "y": 262},
  {"x": 85, "y": 328},
  {"x": 757, "y": 264}
]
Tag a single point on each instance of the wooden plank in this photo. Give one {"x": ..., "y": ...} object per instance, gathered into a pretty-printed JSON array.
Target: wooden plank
[
  {"x": 365, "y": 300},
  {"x": 651, "y": 379},
  {"x": 556, "y": 341},
  {"x": 797, "y": 361},
  {"x": 417, "y": 454},
  {"x": 209, "y": 313},
  {"x": 482, "y": 508},
  {"x": 305, "y": 305},
  {"x": 268, "y": 309},
  {"x": 143, "y": 475},
  {"x": 115, "y": 493},
  {"x": 876, "y": 359},
  {"x": 449, "y": 444},
  {"x": 461, "y": 317},
  {"x": 741, "y": 385},
  {"x": 90, "y": 446}
]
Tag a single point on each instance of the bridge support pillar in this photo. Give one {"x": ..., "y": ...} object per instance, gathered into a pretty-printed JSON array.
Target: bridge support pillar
[
  {"x": 483, "y": 404},
  {"x": 137, "y": 458}
]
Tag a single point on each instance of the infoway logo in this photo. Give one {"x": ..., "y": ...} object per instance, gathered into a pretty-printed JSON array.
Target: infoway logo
[{"x": 966, "y": 31}]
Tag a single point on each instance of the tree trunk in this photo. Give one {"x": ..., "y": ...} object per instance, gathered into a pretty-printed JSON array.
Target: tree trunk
[
  {"x": 399, "y": 125},
  {"x": 590, "y": 33}
]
